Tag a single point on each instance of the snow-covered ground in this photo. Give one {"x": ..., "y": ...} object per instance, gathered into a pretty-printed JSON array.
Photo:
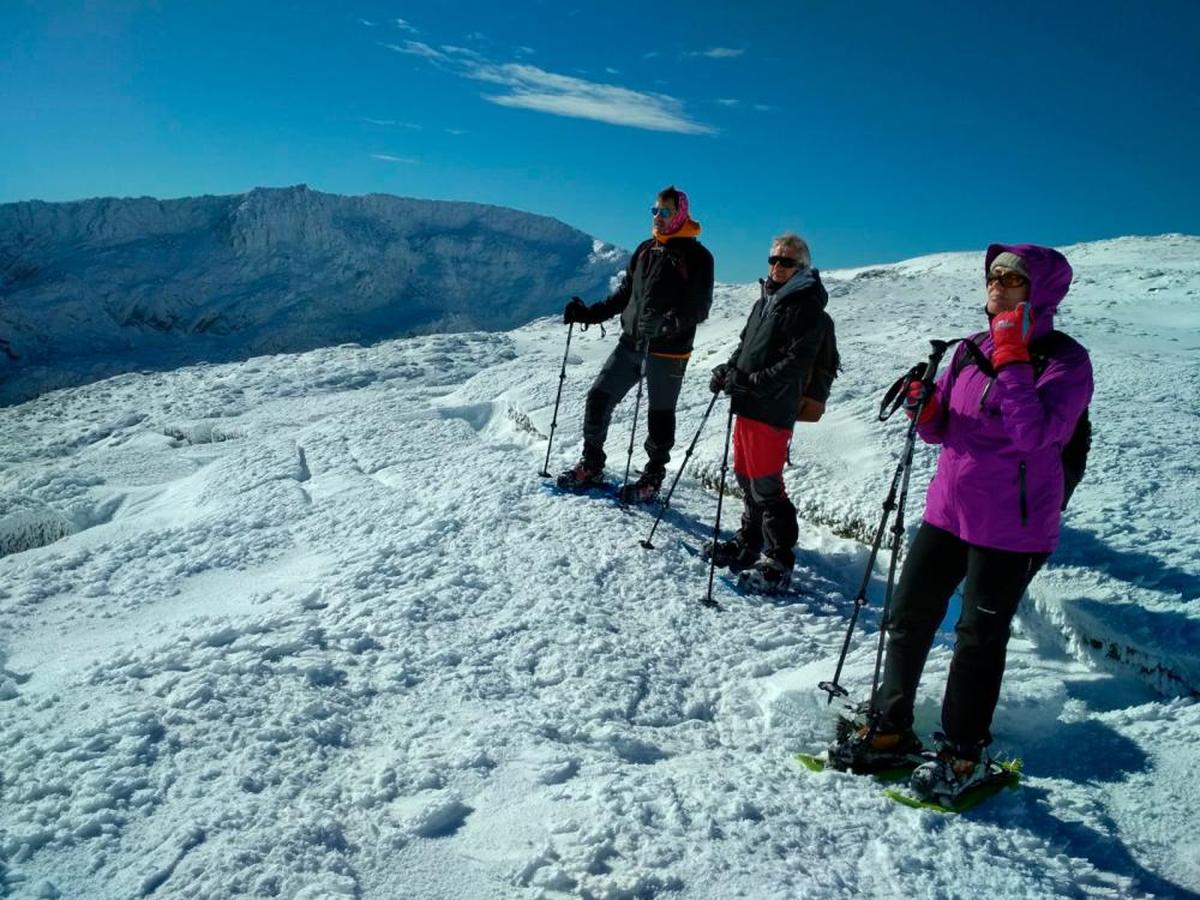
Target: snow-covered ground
[{"x": 311, "y": 626}]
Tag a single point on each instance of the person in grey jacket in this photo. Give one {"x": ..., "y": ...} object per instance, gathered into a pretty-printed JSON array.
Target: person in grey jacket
[{"x": 781, "y": 372}]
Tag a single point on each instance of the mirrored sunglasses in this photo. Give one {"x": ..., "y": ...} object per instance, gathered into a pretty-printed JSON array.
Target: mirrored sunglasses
[
  {"x": 786, "y": 262},
  {"x": 661, "y": 212}
]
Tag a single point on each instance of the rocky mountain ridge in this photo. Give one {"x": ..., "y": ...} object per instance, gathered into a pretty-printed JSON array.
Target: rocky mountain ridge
[{"x": 93, "y": 288}]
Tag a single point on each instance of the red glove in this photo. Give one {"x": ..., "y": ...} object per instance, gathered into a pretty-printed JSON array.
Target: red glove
[
  {"x": 1010, "y": 335},
  {"x": 918, "y": 390}
]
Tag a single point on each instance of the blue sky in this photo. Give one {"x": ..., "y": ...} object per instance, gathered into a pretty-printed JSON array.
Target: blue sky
[{"x": 878, "y": 130}]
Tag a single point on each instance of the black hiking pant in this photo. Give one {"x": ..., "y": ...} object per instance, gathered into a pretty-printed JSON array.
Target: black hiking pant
[
  {"x": 993, "y": 583},
  {"x": 768, "y": 518},
  {"x": 620, "y": 373}
]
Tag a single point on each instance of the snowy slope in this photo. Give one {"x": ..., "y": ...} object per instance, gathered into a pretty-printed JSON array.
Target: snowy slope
[
  {"x": 98, "y": 287},
  {"x": 312, "y": 627}
]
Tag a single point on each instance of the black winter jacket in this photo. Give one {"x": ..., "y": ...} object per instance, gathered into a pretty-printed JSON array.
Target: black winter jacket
[
  {"x": 789, "y": 352},
  {"x": 675, "y": 277}
]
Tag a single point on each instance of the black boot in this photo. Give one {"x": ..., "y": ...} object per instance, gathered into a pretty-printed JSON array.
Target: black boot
[
  {"x": 865, "y": 747},
  {"x": 646, "y": 488},
  {"x": 767, "y": 576},
  {"x": 585, "y": 474},
  {"x": 732, "y": 554}
]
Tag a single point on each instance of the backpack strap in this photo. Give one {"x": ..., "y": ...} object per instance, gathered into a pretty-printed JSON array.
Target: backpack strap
[
  {"x": 1040, "y": 353},
  {"x": 1046, "y": 349},
  {"x": 677, "y": 260},
  {"x": 971, "y": 354}
]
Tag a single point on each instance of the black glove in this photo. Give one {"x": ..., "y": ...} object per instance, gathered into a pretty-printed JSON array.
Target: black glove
[
  {"x": 669, "y": 325},
  {"x": 576, "y": 311},
  {"x": 720, "y": 375},
  {"x": 740, "y": 383}
]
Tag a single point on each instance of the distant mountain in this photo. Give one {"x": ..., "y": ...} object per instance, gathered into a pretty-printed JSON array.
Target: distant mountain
[{"x": 97, "y": 287}]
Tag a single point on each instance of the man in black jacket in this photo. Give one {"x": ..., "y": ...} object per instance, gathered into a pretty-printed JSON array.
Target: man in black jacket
[
  {"x": 783, "y": 368},
  {"x": 666, "y": 292}
]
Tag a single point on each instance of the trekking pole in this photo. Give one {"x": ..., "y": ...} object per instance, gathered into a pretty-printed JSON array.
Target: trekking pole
[
  {"x": 686, "y": 456},
  {"x": 897, "y": 541},
  {"x": 712, "y": 565},
  {"x": 562, "y": 376},
  {"x": 894, "y": 396},
  {"x": 637, "y": 404}
]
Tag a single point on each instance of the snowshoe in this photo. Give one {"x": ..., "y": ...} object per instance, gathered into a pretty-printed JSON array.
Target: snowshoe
[
  {"x": 645, "y": 489},
  {"x": 732, "y": 555},
  {"x": 898, "y": 773},
  {"x": 767, "y": 576},
  {"x": 865, "y": 750},
  {"x": 583, "y": 476},
  {"x": 950, "y": 772},
  {"x": 989, "y": 779}
]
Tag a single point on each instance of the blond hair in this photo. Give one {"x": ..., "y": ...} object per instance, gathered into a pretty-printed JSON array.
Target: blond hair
[{"x": 795, "y": 244}]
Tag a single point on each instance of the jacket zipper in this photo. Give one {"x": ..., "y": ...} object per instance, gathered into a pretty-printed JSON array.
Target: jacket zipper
[{"x": 1024, "y": 502}]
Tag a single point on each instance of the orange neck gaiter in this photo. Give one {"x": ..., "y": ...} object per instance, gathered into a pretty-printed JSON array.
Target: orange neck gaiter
[{"x": 688, "y": 229}]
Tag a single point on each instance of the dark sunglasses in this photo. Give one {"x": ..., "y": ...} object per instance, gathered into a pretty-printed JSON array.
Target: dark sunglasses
[
  {"x": 661, "y": 212},
  {"x": 1007, "y": 279},
  {"x": 786, "y": 262}
]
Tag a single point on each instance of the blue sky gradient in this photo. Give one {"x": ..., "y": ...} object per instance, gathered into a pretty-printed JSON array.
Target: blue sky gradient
[{"x": 878, "y": 130}]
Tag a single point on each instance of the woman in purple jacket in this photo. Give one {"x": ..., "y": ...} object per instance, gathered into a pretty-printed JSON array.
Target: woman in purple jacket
[{"x": 991, "y": 514}]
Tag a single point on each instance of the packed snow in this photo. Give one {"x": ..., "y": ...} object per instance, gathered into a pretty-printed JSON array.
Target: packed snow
[{"x": 311, "y": 626}]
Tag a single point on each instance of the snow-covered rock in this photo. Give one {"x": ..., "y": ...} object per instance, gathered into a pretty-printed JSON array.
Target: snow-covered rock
[
  {"x": 92, "y": 288},
  {"x": 26, "y": 523}
]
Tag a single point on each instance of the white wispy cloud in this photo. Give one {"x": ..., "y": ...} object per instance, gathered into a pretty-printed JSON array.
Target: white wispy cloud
[
  {"x": 366, "y": 22},
  {"x": 416, "y": 48},
  {"x": 609, "y": 70},
  {"x": 387, "y": 157},
  {"x": 393, "y": 123},
  {"x": 762, "y": 107},
  {"x": 461, "y": 51},
  {"x": 726, "y": 101},
  {"x": 457, "y": 132},
  {"x": 529, "y": 87},
  {"x": 653, "y": 54},
  {"x": 524, "y": 51},
  {"x": 405, "y": 26},
  {"x": 717, "y": 53}
]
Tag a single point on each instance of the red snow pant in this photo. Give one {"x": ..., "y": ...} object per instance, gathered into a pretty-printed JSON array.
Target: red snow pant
[{"x": 768, "y": 516}]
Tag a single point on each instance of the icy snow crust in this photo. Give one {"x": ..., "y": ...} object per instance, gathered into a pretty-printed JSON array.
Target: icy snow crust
[
  {"x": 314, "y": 628},
  {"x": 99, "y": 287}
]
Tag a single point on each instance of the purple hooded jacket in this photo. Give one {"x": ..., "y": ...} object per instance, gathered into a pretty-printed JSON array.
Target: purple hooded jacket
[{"x": 999, "y": 480}]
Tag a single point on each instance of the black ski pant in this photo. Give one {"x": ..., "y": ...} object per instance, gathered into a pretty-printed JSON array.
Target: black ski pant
[
  {"x": 620, "y": 373},
  {"x": 993, "y": 583},
  {"x": 768, "y": 518}
]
